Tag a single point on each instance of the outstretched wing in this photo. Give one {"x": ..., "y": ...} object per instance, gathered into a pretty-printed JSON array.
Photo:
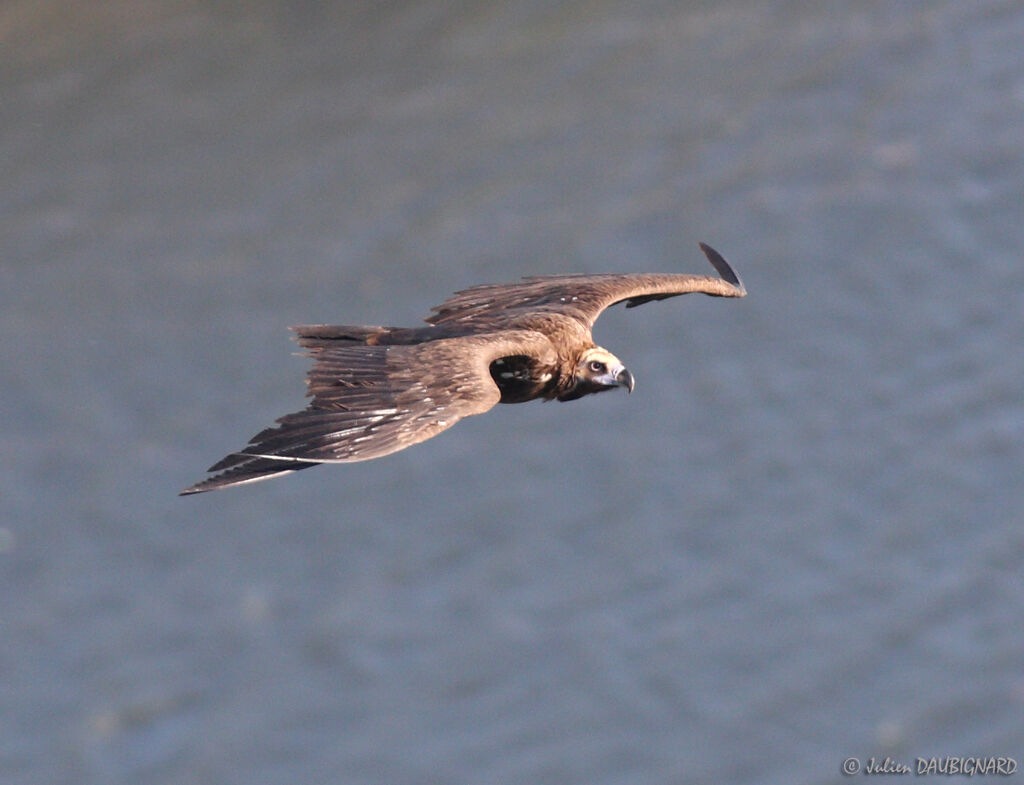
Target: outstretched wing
[
  {"x": 369, "y": 401},
  {"x": 581, "y": 296}
]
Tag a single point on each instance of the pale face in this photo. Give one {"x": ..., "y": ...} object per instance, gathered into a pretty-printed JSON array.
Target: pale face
[{"x": 599, "y": 370}]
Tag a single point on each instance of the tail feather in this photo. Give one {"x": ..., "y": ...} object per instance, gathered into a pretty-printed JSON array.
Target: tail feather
[
  {"x": 321, "y": 336},
  {"x": 240, "y": 469},
  {"x": 326, "y": 336}
]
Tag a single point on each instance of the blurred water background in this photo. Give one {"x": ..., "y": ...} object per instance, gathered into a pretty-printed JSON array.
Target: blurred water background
[{"x": 799, "y": 540}]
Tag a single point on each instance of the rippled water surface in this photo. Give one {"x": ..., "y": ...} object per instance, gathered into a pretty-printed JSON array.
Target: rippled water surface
[{"x": 799, "y": 540}]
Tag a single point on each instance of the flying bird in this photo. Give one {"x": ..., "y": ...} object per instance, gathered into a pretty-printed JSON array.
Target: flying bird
[{"x": 377, "y": 390}]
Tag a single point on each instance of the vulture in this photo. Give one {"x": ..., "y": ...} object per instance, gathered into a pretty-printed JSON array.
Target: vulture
[{"x": 377, "y": 390}]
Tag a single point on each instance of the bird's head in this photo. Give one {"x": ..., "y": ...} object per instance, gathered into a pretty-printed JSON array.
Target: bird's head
[{"x": 598, "y": 370}]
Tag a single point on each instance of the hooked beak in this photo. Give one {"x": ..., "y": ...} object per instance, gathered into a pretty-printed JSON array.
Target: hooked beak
[{"x": 625, "y": 379}]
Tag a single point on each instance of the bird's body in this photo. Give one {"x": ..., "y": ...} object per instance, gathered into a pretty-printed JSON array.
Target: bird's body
[{"x": 377, "y": 390}]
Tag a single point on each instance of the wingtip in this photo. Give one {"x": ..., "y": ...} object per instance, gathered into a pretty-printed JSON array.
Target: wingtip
[
  {"x": 724, "y": 269},
  {"x": 200, "y": 487}
]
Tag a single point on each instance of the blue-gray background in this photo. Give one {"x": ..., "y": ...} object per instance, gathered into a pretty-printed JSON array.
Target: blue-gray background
[{"x": 798, "y": 540}]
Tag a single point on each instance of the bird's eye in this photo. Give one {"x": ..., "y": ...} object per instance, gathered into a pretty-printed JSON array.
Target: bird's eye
[{"x": 597, "y": 366}]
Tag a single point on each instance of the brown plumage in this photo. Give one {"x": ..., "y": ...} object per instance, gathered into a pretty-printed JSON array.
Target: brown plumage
[{"x": 377, "y": 390}]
